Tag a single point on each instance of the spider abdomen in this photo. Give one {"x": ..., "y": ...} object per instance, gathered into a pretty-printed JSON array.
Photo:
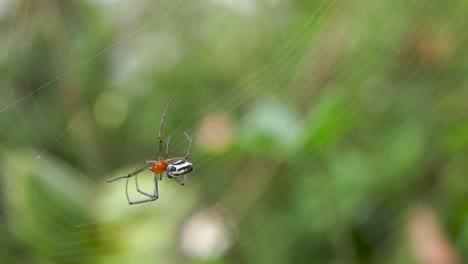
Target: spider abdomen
[
  {"x": 159, "y": 166},
  {"x": 178, "y": 168}
]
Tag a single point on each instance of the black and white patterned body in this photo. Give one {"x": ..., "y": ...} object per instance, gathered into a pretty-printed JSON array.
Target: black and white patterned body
[
  {"x": 177, "y": 168},
  {"x": 174, "y": 167}
]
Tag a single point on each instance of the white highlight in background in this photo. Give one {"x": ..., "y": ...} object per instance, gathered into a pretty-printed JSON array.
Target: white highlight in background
[
  {"x": 205, "y": 235},
  {"x": 5, "y": 6},
  {"x": 244, "y": 7}
]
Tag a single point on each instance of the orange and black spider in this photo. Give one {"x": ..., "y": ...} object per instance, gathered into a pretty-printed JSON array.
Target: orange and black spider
[{"x": 174, "y": 167}]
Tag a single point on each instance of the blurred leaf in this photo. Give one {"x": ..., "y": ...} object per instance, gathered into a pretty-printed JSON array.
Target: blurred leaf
[{"x": 331, "y": 119}]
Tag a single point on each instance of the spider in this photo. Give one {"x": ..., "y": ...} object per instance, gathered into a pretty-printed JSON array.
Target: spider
[{"x": 175, "y": 168}]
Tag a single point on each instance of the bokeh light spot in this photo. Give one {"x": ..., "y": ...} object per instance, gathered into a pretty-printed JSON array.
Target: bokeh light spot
[
  {"x": 216, "y": 132},
  {"x": 205, "y": 235}
]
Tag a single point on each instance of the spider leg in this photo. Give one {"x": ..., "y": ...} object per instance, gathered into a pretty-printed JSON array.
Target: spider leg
[
  {"x": 183, "y": 181},
  {"x": 129, "y": 175},
  {"x": 167, "y": 146},
  {"x": 160, "y": 135},
  {"x": 190, "y": 145},
  {"x": 139, "y": 190},
  {"x": 154, "y": 197}
]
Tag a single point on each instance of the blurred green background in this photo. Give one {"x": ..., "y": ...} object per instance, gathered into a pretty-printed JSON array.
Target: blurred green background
[{"x": 325, "y": 131}]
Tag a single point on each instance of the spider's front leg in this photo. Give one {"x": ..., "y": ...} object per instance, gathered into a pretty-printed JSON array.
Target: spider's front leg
[
  {"x": 151, "y": 198},
  {"x": 129, "y": 175},
  {"x": 141, "y": 191}
]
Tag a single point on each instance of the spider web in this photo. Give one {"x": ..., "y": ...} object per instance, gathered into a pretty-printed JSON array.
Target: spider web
[{"x": 85, "y": 80}]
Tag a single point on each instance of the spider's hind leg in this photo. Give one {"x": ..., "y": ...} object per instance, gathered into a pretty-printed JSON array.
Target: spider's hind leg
[
  {"x": 190, "y": 145},
  {"x": 184, "y": 180}
]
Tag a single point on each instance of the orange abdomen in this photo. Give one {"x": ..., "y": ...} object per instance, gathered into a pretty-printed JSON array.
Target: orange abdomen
[{"x": 159, "y": 166}]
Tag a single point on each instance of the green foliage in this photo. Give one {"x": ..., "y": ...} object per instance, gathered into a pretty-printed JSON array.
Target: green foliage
[{"x": 325, "y": 131}]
